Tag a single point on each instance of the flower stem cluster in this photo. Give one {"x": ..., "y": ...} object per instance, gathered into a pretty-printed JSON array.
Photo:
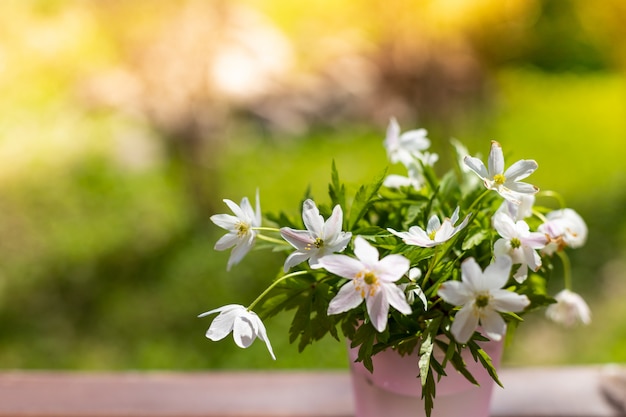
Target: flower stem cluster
[{"x": 390, "y": 270}]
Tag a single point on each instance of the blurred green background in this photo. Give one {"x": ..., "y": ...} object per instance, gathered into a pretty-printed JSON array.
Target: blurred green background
[{"x": 123, "y": 124}]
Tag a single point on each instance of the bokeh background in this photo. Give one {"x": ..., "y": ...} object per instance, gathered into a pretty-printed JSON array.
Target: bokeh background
[{"x": 123, "y": 124}]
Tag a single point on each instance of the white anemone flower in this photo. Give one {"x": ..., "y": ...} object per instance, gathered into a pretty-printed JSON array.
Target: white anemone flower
[
  {"x": 570, "y": 309},
  {"x": 408, "y": 146},
  {"x": 319, "y": 239},
  {"x": 436, "y": 232},
  {"x": 519, "y": 243},
  {"x": 563, "y": 228},
  {"x": 245, "y": 325},
  {"x": 371, "y": 279},
  {"x": 240, "y": 227},
  {"x": 482, "y": 299},
  {"x": 519, "y": 211},
  {"x": 506, "y": 183}
]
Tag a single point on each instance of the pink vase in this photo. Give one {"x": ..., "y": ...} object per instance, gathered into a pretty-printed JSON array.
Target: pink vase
[{"x": 394, "y": 389}]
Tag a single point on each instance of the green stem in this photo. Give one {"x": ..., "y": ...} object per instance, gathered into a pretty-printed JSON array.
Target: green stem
[
  {"x": 431, "y": 267},
  {"x": 266, "y": 229},
  {"x": 567, "y": 270},
  {"x": 480, "y": 197},
  {"x": 271, "y": 239},
  {"x": 549, "y": 193},
  {"x": 272, "y": 285}
]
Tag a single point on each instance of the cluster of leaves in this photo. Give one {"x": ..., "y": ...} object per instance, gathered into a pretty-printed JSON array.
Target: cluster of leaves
[{"x": 369, "y": 213}]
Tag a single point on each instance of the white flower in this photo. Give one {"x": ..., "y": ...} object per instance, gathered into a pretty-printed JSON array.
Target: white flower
[
  {"x": 245, "y": 325},
  {"x": 435, "y": 233},
  {"x": 319, "y": 239},
  {"x": 519, "y": 243},
  {"x": 414, "y": 178},
  {"x": 506, "y": 183},
  {"x": 482, "y": 298},
  {"x": 408, "y": 146},
  {"x": 519, "y": 211},
  {"x": 372, "y": 280},
  {"x": 240, "y": 234},
  {"x": 564, "y": 228},
  {"x": 416, "y": 290},
  {"x": 569, "y": 309}
]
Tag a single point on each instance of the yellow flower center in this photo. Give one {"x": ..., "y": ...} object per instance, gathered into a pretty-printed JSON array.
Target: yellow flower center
[
  {"x": 482, "y": 301},
  {"x": 515, "y": 243},
  {"x": 317, "y": 243},
  {"x": 366, "y": 283},
  {"x": 499, "y": 179},
  {"x": 242, "y": 229}
]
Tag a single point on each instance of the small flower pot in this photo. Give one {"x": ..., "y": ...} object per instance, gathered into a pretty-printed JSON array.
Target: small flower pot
[{"x": 394, "y": 389}]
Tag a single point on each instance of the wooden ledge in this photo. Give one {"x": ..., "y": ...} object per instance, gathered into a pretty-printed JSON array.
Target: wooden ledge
[{"x": 592, "y": 391}]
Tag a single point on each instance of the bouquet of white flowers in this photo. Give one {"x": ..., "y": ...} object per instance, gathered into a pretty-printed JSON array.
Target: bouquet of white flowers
[{"x": 409, "y": 259}]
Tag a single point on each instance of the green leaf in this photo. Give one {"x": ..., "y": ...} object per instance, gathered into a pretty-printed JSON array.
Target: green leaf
[
  {"x": 363, "y": 199},
  {"x": 336, "y": 190},
  {"x": 485, "y": 360}
]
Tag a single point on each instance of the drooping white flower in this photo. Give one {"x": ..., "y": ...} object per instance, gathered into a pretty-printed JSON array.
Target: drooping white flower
[
  {"x": 371, "y": 279},
  {"x": 564, "y": 228},
  {"x": 519, "y": 243},
  {"x": 407, "y": 147},
  {"x": 244, "y": 324},
  {"x": 570, "y": 309},
  {"x": 482, "y": 299},
  {"x": 436, "y": 232},
  {"x": 240, "y": 234},
  {"x": 506, "y": 183},
  {"x": 319, "y": 239}
]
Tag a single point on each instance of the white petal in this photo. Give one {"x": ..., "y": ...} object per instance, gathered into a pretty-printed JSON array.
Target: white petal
[
  {"x": 471, "y": 274},
  {"x": 225, "y": 221},
  {"x": 433, "y": 224},
  {"x": 247, "y": 210},
  {"x": 257, "y": 216},
  {"x": 222, "y": 325},
  {"x": 505, "y": 301},
  {"x": 227, "y": 241},
  {"x": 341, "y": 265},
  {"x": 396, "y": 298},
  {"x": 521, "y": 188},
  {"x": 378, "y": 309},
  {"x": 392, "y": 267},
  {"x": 465, "y": 322},
  {"x": 236, "y": 209},
  {"x": 244, "y": 331},
  {"x": 339, "y": 243},
  {"x": 455, "y": 293},
  {"x": 239, "y": 251},
  {"x": 365, "y": 252},
  {"x": 262, "y": 333},
  {"x": 520, "y": 170},
  {"x": 493, "y": 325},
  {"x": 334, "y": 224},
  {"x": 476, "y": 165},
  {"x": 496, "y": 159},
  {"x": 497, "y": 273},
  {"x": 535, "y": 240},
  {"x": 312, "y": 218},
  {"x": 295, "y": 258},
  {"x": 299, "y": 239},
  {"x": 504, "y": 225},
  {"x": 346, "y": 299}
]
